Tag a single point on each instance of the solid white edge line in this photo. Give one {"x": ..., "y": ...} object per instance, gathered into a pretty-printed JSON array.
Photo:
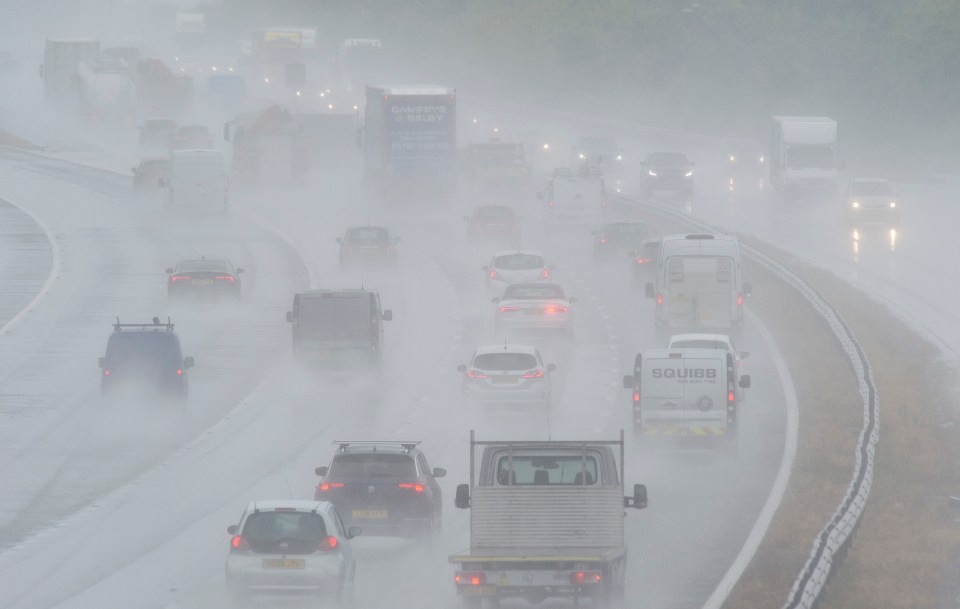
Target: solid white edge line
[
  {"x": 51, "y": 278},
  {"x": 760, "y": 527}
]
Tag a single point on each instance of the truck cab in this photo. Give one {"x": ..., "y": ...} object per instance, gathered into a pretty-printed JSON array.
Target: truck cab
[{"x": 803, "y": 155}]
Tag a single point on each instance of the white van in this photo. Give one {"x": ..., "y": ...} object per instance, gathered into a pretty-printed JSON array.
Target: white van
[
  {"x": 699, "y": 282},
  {"x": 198, "y": 181},
  {"x": 685, "y": 392},
  {"x": 575, "y": 200}
]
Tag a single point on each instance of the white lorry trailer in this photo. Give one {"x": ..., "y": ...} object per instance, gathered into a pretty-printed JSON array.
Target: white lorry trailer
[
  {"x": 699, "y": 283},
  {"x": 686, "y": 393},
  {"x": 546, "y": 521},
  {"x": 61, "y": 59},
  {"x": 803, "y": 155}
]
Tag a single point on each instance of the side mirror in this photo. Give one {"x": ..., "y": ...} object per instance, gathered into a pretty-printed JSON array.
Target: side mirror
[
  {"x": 289, "y": 317},
  {"x": 692, "y": 164},
  {"x": 748, "y": 289},
  {"x": 745, "y": 381},
  {"x": 551, "y": 367},
  {"x": 572, "y": 300},
  {"x": 462, "y": 500},
  {"x": 321, "y": 471},
  {"x": 460, "y": 368},
  {"x": 188, "y": 362},
  {"x": 102, "y": 362},
  {"x": 639, "y": 499},
  {"x": 594, "y": 232},
  {"x": 439, "y": 472},
  {"x": 169, "y": 271},
  {"x": 353, "y": 532},
  {"x": 628, "y": 381},
  {"x": 495, "y": 299},
  {"x": 239, "y": 270},
  {"x": 387, "y": 315},
  {"x": 744, "y": 354},
  {"x": 648, "y": 291},
  {"x": 232, "y": 529},
  {"x": 632, "y": 254}
]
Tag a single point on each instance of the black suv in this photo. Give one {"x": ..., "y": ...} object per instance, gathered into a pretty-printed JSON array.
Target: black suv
[
  {"x": 385, "y": 488},
  {"x": 146, "y": 357},
  {"x": 667, "y": 171},
  {"x": 338, "y": 327}
]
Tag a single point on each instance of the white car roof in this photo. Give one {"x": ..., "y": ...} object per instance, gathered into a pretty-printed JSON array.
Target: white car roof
[
  {"x": 300, "y": 505},
  {"x": 687, "y": 353},
  {"x": 714, "y": 337},
  {"x": 505, "y": 348},
  {"x": 511, "y": 252},
  {"x": 869, "y": 181}
]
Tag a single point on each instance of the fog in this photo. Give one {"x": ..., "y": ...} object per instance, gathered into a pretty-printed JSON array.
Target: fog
[{"x": 125, "y": 500}]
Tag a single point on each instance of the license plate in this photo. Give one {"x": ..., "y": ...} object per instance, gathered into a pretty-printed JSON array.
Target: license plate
[
  {"x": 370, "y": 513},
  {"x": 478, "y": 590},
  {"x": 534, "y": 311},
  {"x": 202, "y": 282},
  {"x": 503, "y": 379},
  {"x": 283, "y": 563}
]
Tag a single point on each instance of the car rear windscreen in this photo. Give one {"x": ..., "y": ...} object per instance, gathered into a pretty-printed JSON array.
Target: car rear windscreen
[
  {"x": 332, "y": 317},
  {"x": 286, "y": 532},
  {"x": 504, "y": 361},
  {"x": 533, "y": 292},
  {"x": 372, "y": 465},
  {"x": 143, "y": 349},
  {"x": 518, "y": 262},
  {"x": 369, "y": 233}
]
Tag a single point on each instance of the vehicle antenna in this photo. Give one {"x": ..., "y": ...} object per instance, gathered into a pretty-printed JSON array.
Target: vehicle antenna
[
  {"x": 361, "y": 281},
  {"x": 289, "y": 491}
]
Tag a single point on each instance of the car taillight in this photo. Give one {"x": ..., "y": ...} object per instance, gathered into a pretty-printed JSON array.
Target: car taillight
[
  {"x": 740, "y": 300},
  {"x": 326, "y": 486},
  {"x": 176, "y": 278},
  {"x": 545, "y": 274},
  {"x": 328, "y": 544},
  {"x": 106, "y": 372},
  {"x": 579, "y": 578},
  {"x": 179, "y": 371},
  {"x": 534, "y": 375},
  {"x": 550, "y": 203},
  {"x": 509, "y": 309},
  {"x": 493, "y": 274},
  {"x": 730, "y": 396},
  {"x": 602, "y": 240},
  {"x": 238, "y": 543},
  {"x": 473, "y": 374},
  {"x": 464, "y": 578},
  {"x": 229, "y": 278},
  {"x": 644, "y": 260},
  {"x": 414, "y": 486},
  {"x": 659, "y": 300},
  {"x": 554, "y": 310}
]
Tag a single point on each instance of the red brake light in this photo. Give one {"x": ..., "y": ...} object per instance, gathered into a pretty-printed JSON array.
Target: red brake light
[
  {"x": 179, "y": 371},
  {"x": 417, "y": 487},
  {"x": 239, "y": 544},
  {"x": 603, "y": 240},
  {"x": 229, "y": 278},
  {"x": 176, "y": 278},
  {"x": 584, "y": 577},
  {"x": 545, "y": 274},
  {"x": 550, "y": 203},
  {"x": 509, "y": 309},
  {"x": 328, "y": 543},
  {"x": 475, "y": 375},
  {"x": 740, "y": 299},
  {"x": 644, "y": 260},
  {"x": 659, "y": 300},
  {"x": 106, "y": 372},
  {"x": 470, "y": 579},
  {"x": 636, "y": 396},
  {"x": 730, "y": 396},
  {"x": 552, "y": 310},
  {"x": 493, "y": 274},
  {"x": 534, "y": 375},
  {"x": 326, "y": 486}
]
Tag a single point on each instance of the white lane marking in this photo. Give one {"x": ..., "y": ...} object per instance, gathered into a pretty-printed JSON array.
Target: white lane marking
[
  {"x": 51, "y": 278},
  {"x": 759, "y": 530}
]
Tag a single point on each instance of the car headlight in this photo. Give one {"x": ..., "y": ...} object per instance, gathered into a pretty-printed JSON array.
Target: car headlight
[
  {"x": 652, "y": 173},
  {"x": 855, "y": 205},
  {"x": 619, "y": 157},
  {"x": 732, "y": 158},
  {"x": 893, "y": 204},
  {"x": 689, "y": 173},
  {"x": 761, "y": 159},
  {"x": 582, "y": 155}
]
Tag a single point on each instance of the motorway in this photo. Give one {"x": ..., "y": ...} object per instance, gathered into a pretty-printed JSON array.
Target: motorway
[{"x": 113, "y": 504}]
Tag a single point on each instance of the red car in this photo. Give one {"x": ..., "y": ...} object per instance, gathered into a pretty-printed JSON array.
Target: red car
[{"x": 496, "y": 224}]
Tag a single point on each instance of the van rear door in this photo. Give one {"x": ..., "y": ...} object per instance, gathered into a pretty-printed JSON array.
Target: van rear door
[
  {"x": 681, "y": 391},
  {"x": 701, "y": 292}
]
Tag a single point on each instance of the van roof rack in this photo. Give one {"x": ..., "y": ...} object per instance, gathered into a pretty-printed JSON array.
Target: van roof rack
[
  {"x": 406, "y": 445},
  {"x": 156, "y": 324}
]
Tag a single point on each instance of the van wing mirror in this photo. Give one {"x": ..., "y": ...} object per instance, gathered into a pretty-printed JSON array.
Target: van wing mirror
[
  {"x": 462, "y": 500},
  {"x": 628, "y": 381},
  {"x": 102, "y": 362},
  {"x": 321, "y": 471},
  {"x": 188, "y": 362},
  {"x": 551, "y": 367},
  {"x": 639, "y": 499},
  {"x": 289, "y": 317},
  {"x": 744, "y": 354},
  {"x": 387, "y": 315},
  {"x": 745, "y": 381},
  {"x": 462, "y": 368},
  {"x": 648, "y": 291},
  {"x": 232, "y": 529},
  {"x": 439, "y": 472},
  {"x": 747, "y": 289}
]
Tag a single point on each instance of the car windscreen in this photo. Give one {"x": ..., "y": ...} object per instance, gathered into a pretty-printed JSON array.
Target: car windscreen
[
  {"x": 518, "y": 262},
  {"x": 533, "y": 292},
  {"x": 871, "y": 189},
  {"x": 505, "y": 361},
  {"x": 147, "y": 349},
  {"x": 210, "y": 266},
  {"x": 368, "y": 234},
  {"x": 334, "y": 317},
  {"x": 284, "y": 532},
  {"x": 373, "y": 465},
  {"x": 668, "y": 159},
  {"x": 553, "y": 470}
]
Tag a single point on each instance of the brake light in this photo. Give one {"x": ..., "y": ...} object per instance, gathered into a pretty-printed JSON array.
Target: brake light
[
  {"x": 550, "y": 203},
  {"x": 238, "y": 543},
  {"x": 326, "y": 486},
  {"x": 740, "y": 300},
  {"x": 602, "y": 240},
  {"x": 176, "y": 278},
  {"x": 328, "y": 543},
  {"x": 493, "y": 274},
  {"x": 545, "y": 274},
  {"x": 534, "y": 375},
  {"x": 552, "y": 310},
  {"x": 579, "y": 578},
  {"x": 179, "y": 371},
  {"x": 636, "y": 396},
  {"x": 509, "y": 309},
  {"x": 475, "y": 375},
  {"x": 659, "y": 300},
  {"x": 644, "y": 260},
  {"x": 229, "y": 278},
  {"x": 470, "y": 579},
  {"x": 106, "y": 372},
  {"x": 730, "y": 396},
  {"x": 415, "y": 486}
]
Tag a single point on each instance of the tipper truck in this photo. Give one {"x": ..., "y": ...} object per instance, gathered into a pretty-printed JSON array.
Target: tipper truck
[{"x": 546, "y": 521}]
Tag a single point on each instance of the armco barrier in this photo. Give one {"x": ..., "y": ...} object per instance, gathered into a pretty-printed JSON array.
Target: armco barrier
[{"x": 831, "y": 544}]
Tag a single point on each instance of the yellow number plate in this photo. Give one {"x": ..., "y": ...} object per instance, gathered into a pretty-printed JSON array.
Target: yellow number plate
[
  {"x": 283, "y": 563},
  {"x": 370, "y": 513}
]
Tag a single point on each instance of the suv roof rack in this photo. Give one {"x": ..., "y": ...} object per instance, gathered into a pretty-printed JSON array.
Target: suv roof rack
[
  {"x": 406, "y": 445},
  {"x": 155, "y": 325}
]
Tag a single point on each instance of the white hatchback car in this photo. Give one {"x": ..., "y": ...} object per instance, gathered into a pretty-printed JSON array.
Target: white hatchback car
[
  {"x": 872, "y": 199},
  {"x": 516, "y": 266},
  {"x": 534, "y": 307},
  {"x": 291, "y": 546},
  {"x": 507, "y": 374}
]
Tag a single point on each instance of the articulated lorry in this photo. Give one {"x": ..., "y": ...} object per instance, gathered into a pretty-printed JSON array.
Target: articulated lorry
[
  {"x": 410, "y": 138},
  {"x": 267, "y": 147},
  {"x": 803, "y": 155},
  {"x": 546, "y": 521}
]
